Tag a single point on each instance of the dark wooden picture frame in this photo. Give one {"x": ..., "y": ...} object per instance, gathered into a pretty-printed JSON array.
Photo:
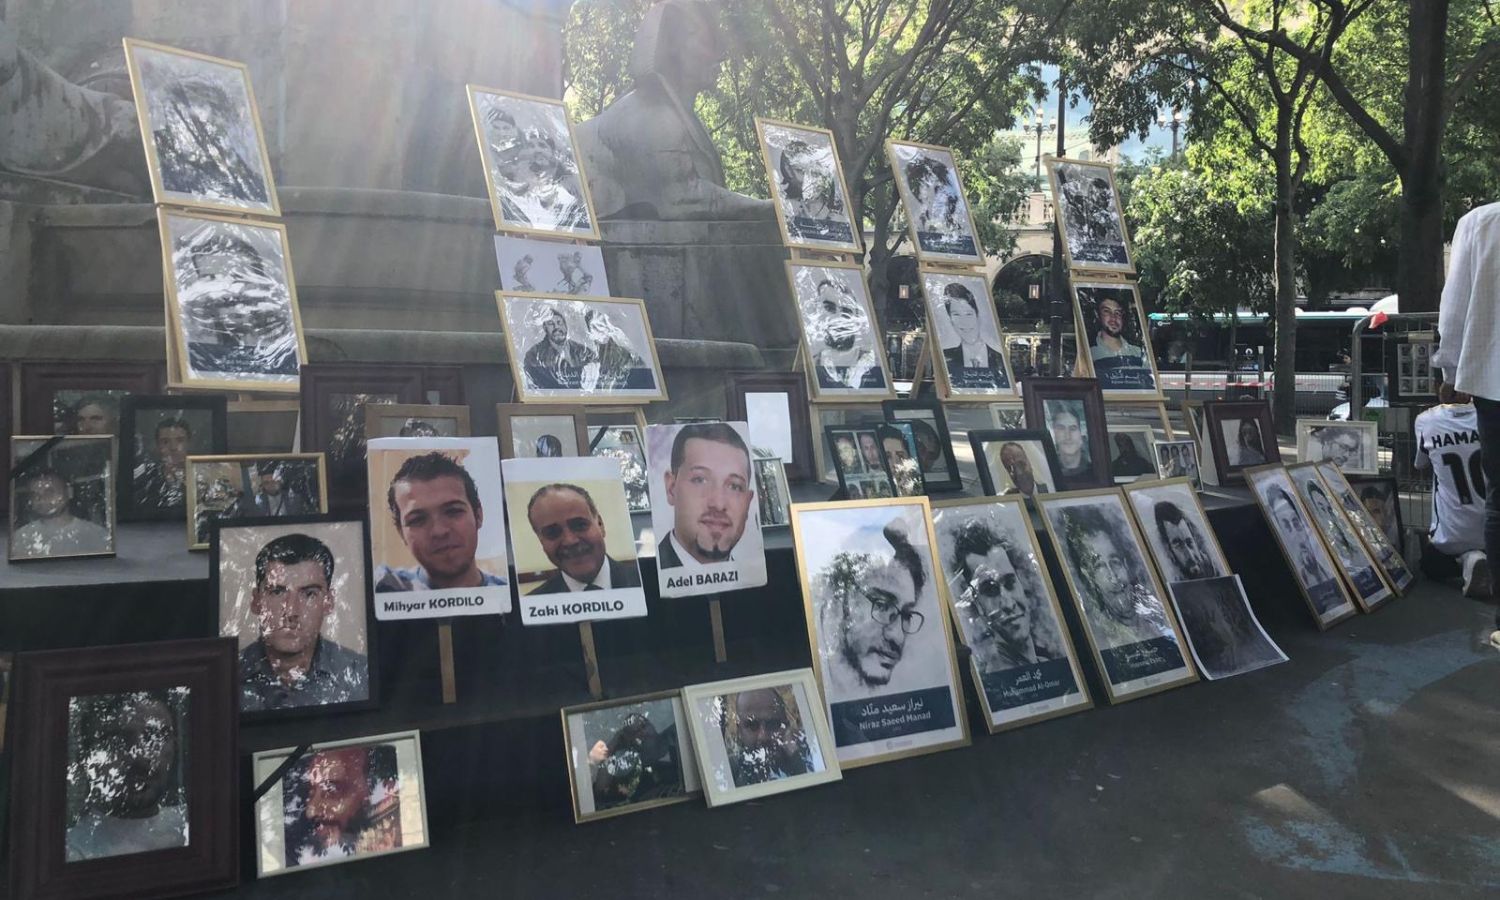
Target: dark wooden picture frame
[
  {"x": 794, "y": 384},
  {"x": 130, "y": 409},
  {"x": 45, "y": 681},
  {"x": 504, "y": 412},
  {"x": 1216, "y": 413},
  {"x": 978, "y": 439},
  {"x": 39, "y": 380},
  {"x": 1037, "y": 392},
  {"x": 892, "y": 409}
]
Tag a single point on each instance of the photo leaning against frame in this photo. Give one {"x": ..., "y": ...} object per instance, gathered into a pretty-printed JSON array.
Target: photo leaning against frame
[
  {"x": 531, "y": 164},
  {"x": 1178, "y": 459},
  {"x": 808, "y": 189},
  {"x": 201, "y": 130},
  {"x": 1381, "y": 497},
  {"x": 1072, "y": 411},
  {"x": 339, "y": 802},
  {"x": 1397, "y": 572},
  {"x": 934, "y": 453},
  {"x": 1015, "y": 461},
  {"x": 261, "y": 484},
  {"x": 843, "y": 353},
  {"x": 629, "y": 755},
  {"x": 538, "y": 266},
  {"x": 704, "y": 509},
  {"x": 1353, "y": 446},
  {"x": 970, "y": 360},
  {"x": 1311, "y": 564},
  {"x": 294, "y": 592},
  {"x": 62, "y": 496},
  {"x": 1089, "y": 211},
  {"x": 125, "y": 770},
  {"x": 879, "y": 628},
  {"x": 1180, "y": 537},
  {"x": 531, "y": 430},
  {"x": 1222, "y": 631},
  {"x": 1241, "y": 435},
  {"x": 937, "y": 209},
  {"x": 573, "y": 350},
  {"x": 575, "y": 550},
  {"x": 157, "y": 436},
  {"x": 1024, "y": 666},
  {"x": 1113, "y": 325},
  {"x": 1361, "y": 573},
  {"x": 437, "y": 527},
  {"x": 233, "y": 318},
  {"x": 760, "y": 735}
]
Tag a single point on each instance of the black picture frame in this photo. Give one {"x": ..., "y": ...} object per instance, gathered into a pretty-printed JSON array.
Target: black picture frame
[
  {"x": 829, "y": 434},
  {"x": 794, "y": 385},
  {"x": 130, "y": 409},
  {"x": 40, "y": 380},
  {"x": 1037, "y": 392},
  {"x": 45, "y": 681},
  {"x": 372, "y": 701},
  {"x": 978, "y": 440},
  {"x": 1216, "y": 413},
  {"x": 892, "y": 409}
]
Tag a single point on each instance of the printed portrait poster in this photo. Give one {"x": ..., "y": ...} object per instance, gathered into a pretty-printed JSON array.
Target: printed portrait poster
[
  {"x": 437, "y": 528},
  {"x": 574, "y": 542},
  {"x": 704, "y": 509}
]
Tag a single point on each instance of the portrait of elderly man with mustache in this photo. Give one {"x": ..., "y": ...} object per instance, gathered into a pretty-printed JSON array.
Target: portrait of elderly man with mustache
[{"x": 571, "y": 531}]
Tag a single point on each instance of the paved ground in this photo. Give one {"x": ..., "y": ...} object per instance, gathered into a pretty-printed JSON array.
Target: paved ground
[{"x": 1367, "y": 767}]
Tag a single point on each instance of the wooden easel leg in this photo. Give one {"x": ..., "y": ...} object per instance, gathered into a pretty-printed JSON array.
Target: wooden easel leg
[
  {"x": 445, "y": 661},
  {"x": 590, "y": 659},
  {"x": 716, "y": 619}
]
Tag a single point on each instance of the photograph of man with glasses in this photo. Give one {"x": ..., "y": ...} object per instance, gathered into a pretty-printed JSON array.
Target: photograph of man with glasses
[{"x": 1112, "y": 324}]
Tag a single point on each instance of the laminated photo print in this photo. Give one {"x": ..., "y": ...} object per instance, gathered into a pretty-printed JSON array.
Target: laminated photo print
[
  {"x": 626, "y": 446},
  {"x": 933, "y": 197},
  {"x": 234, "y": 320},
  {"x": 972, "y": 361},
  {"x": 239, "y": 487},
  {"x": 531, "y": 164},
  {"x": 548, "y": 267},
  {"x": 859, "y": 462},
  {"x": 1358, "y": 567},
  {"x": 576, "y": 558},
  {"x": 437, "y": 527},
  {"x": 1113, "y": 323},
  {"x": 807, "y": 186},
  {"x": 1015, "y": 461},
  {"x": 879, "y": 628},
  {"x": 704, "y": 509},
  {"x": 62, "y": 497},
  {"x": 840, "y": 334},
  {"x": 580, "y": 351},
  {"x": 1312, "y": 566},
  {"x": 1370, "y": 531},
  {"x": 1089, "y": 210},
  {"x": 629, "y": 755},
  {"x": 1222, "y": 631}
]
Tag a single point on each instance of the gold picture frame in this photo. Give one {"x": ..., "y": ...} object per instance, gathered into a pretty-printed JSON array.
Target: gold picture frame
[
  {"x": 1085, "y": 351},
  {"x": 504, "y": 412},
  {"x": 1346, "y": 607},
  {"x": 909, "y": 203},
  {"x": 375, "y": 413},
  {"x": 190, "y": 481},
  {"x": 576, "y": 767},
  {"x": 1138, "y": 487},
  {"x": 1128, "y": 267},
  {"x": 515, "y": 354},
  {"x": 853, "y": 247},
  {"x": 844, "y": 395},
  {"x": 942, "y": 376},
  {"x": 1387, "y": 556}
]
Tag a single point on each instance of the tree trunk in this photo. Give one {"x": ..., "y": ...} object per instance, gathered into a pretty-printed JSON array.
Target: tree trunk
[
  {"x": 1419, "y": 273},
  {"x": 1284, "y": 399}
]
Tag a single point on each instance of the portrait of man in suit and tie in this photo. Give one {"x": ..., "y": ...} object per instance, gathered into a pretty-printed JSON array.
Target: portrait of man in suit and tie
[{"x": 567, "y": 522}]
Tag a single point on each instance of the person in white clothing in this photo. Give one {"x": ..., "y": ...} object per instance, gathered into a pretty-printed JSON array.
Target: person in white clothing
[{"x": 1448, "y": 444}]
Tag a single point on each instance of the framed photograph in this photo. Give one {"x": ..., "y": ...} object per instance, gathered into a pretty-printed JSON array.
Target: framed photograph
[
  {"x": 62, "y": 496},
  {"x": 201, "y": 127},
  {"x": 703, "y": 509},
  {"x": 758, "y": 736},
  {"x": 1306, "y": 555},
  {"x": 1222, "y": 631},
  {"x": 1093, "y": 223},
  {"x": 969, "y": 359},
  {"x": 232, "y": 299},
  {"x": 1178, "y": 459},
  {"x": 1410, "y": 376},
  {"x": 626, "y": 445},
  {"x": 859, "y": 462},
  {"x": 1354, "y": 561},
  {"x": 71, "y": 397},
  {"x": 898, "y": 443},
  {"x": 1136, "y": 640},
  {"x": 416, "y": 420},
  {"x": 1130, "y": 453},
  {"x": 879, "y": 628},
  {"x": 294, "y": 593},
  {"x": 843, "y": 353},
  {"x": 572, "y": 534},
  {"x": 772, "y": 492},
  {"x": 937, "y": 209},
  {"x": 224, "y": 488},
  {"x": 132, "y": 775},
  {"x": 339, "y": 802},
  {"x": 1240, "y": 435},
  {"x": 1024, "y": 667},
  {"x": 1177, "y": 530},
  {"x": 1113, "y": 324},
  {"x": 808, "y": 187},
  {"x": 550, "y": 267},
  {"x": 437, "y": 527},
  {"x": 1381, "y": 498},
  {"x": 1072, "y": 411},
  {"x": 157, "y": 436},
  {"x": 1015, "y": 461},
  {"x": 629, "y": 755},
  {"x": 774, "y": 404},
  {"x": 598, "y": 350},
  {"x": 934, "y": 444},
  {"x": 531, "y": 430},
  {"x": 1351, "y": 446},
  {"x": 1008, "y": 414},
  {"x": 531, "y": 164},
  {"x": 1385, "y": 553}
]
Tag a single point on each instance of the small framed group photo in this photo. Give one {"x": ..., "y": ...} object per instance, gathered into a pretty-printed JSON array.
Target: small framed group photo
[
  {"x": 1113, "y": 323},
  {"x": 1353, "y": 447},
  {"x": 968, "y": 353},
  {"x": 255, "y": 485},
  {"x": 860, "y": 463},
  {"x": 62, "y": 496},
  {"x": 531, "y": 164},
  {"x": 842, "y": 349},
  {"x": 807, "y": 187},
  {"x": 1072, "y": 411},
  {"x": 575, "y": 350},
  {"x": 774, "y": 405},
  {"x": 532, "y": 430},
  {"x": 1311, "y": 564},
  {"x": 934, "y": 453},
  {"x": 1241, "y": 435},
  {"x": 1015, "y": 461},
  {"x": 629, "y": 755},
  {"x": 1091, "y": 216},
  {"x": 338, "y": 802},
  {"x": 157, "y": 435},
  {"x": 1410, "y": 375},
  {"x": 550, "y": 267},
  {"x": 937, "y": 210},
  {"x": 758, "y": 736}
]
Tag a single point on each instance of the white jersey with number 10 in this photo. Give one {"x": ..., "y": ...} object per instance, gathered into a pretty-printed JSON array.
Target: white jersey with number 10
[{"x": 1448, "y": 442}]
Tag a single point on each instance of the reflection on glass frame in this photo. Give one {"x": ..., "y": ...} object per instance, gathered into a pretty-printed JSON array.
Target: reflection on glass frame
[
  {"x": 73, "y": 397},
  {"x": 934, "y": 442},
  {"x": 859, "y": 461},
  {"x": 1113, "y": 325},
  {"x": 1352, "y": 446},
  {"x": 843, "y": 353},
  {"x": 1381, "y": 498},
  {"x": 157, "y": 435},
  {"x": 627, "y": 445},
  {"x": 340, "y": 801},
  {"x": 1072, "y": 410},
  {"x": 416, "y": 420},
  {"x": 1015, "y": 461},
  {"x": 536, "y": 266},
  {"x": 201, "y": 129},
  {"x": 618, "y": 364},
  {"x": 1130, "y": 452},
  {"x": 771, "y": 490},
  {"x": 276, "y": 484},
  {"x": 811, "y": 197},
  {"x": 532, "y": 168},
  {"x": 1177, "y": 530},
  {"x": 629, "y": 755},
  {"x": 1355, "y": 562},
  {"x": 1087, "y": 204},
  {"x": 1008, "y": 414},
  {"x": 538, "y": 430},
  {"x": 758, "y": 736},
  {"x": 1311, "y": 565},
  {"x": 84, "y": 716},
  {"x": 1178, "y": 459},
  {"x": 62, "y": 496},
  {"x": 775, "y": 406},
  {"x": 1397, "y": 573},
  {"x": 1241, "y": 435},
  {"x": 970, "y": 358},
  {"x": 1222, "y": 631},
  {"x": 937, "y": 209}
]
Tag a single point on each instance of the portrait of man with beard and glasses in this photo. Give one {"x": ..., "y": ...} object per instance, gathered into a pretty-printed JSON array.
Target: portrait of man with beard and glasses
[
  {"x": 838, "y": 327},
  {"x": 704, "y": 507}
]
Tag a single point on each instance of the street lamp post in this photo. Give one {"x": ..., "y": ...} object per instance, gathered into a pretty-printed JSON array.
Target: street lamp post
[
  {"x": 1174, "y": 122},
  {"x": 1039, "y": 129}
]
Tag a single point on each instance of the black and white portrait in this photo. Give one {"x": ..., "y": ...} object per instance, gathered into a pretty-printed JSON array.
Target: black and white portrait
[
  {"x": 1245, "y": 441},
  {"x": 1385, "y": 552},
  {"x": 1008, "y": 415},
  {"x": 807, "y": 184},
  {"x": 1178, "y": 459},
  {"x": 1311, "y": 565},
  {"x": 965, "y": 330},
  {"x": 1222, "y": 631},
  {"x": 234, "y": 304},
  {"x": 1130, "y": 454},
  {"x": 1112, "y": 321},
  {"x": 581, "y": 349},
  {"x": 628, "y": 755},
  {"x": 1351, "y": 555},
  {"x": 933, "y": 197},
  {"x": 531, "y": 164},
  {"x": 839, "y": 330},
  {"x": 1351, "y": 446},
  {"x": 205, "y": 145},
  {"x": 627, "y": 447},
  {"x": 228, "y": 487},
  {"x": 62, "y": 498},
  {"x": 547, "y": 267},
  {"x": 1088, "y": 207},
  {"x": 1177, "y": 531}
]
